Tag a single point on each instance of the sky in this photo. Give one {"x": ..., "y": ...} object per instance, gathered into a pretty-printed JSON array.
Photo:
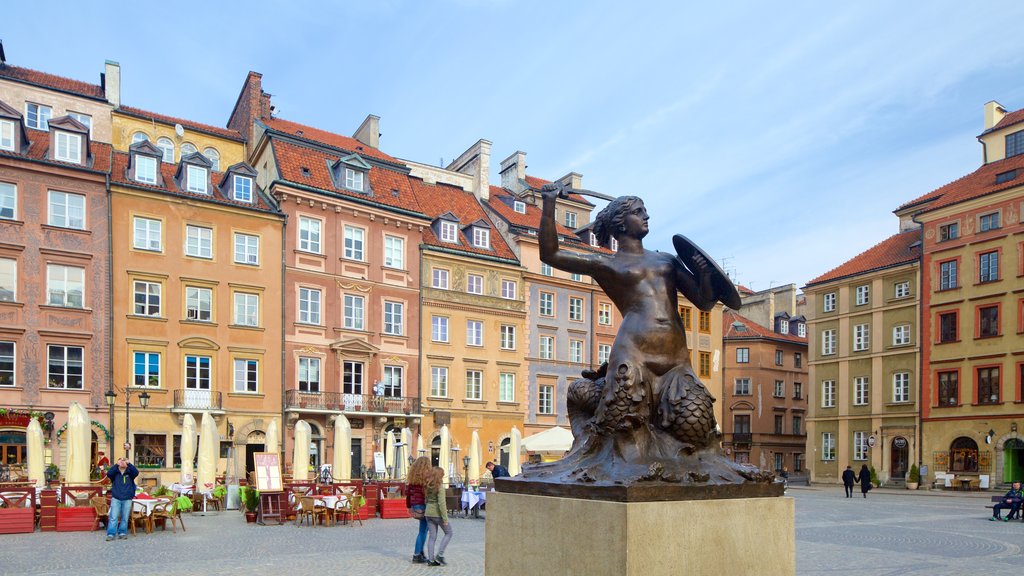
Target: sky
[{"x": 777, "y": 136}]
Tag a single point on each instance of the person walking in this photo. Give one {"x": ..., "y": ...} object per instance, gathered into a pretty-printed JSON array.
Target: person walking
[
  {"x": 437, "y": 517},
  {"x": 849, "y": 478},
  {"x": 1011, "y": 500},
  {"x": 122, "y": 490},
  {"x": 864, "y": 477},
  {"x": 416, "y": 502}
]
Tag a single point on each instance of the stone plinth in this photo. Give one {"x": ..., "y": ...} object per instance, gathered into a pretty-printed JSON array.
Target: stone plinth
[{"x": 528, "y": 534}]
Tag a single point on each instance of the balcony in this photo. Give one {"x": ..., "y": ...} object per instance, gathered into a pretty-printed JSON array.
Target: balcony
[
  {"x": 190, "y": 400},
  {"x": 354, "y": 404},
  {"x": 742, "y": 437}
]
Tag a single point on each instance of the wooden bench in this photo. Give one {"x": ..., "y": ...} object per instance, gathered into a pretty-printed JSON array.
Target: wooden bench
[{"x": 997, "y": 499}]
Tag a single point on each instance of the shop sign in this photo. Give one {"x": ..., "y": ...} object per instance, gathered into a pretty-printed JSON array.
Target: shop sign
[{"x": 900, "y": 442}]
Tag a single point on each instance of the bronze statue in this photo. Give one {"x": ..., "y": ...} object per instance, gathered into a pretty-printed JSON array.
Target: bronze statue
[{"x": 644, "y": 416}]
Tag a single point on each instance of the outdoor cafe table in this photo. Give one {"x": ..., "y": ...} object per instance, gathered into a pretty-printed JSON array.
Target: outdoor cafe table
[
  {"x": 150, "y": 503},
  {"x": 472, "y": 499}
]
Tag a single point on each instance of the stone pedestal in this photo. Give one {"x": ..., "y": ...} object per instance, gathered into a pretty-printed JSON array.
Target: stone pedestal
[{"x": 528, "y": 534}]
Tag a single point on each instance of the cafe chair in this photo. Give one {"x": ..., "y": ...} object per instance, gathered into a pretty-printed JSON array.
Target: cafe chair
[
  {"x": 102, "y": 508},
  {"x": 310, "y": 511},
  {"x": 138, "y": 515},
  {"x": 168, "y": 512}
]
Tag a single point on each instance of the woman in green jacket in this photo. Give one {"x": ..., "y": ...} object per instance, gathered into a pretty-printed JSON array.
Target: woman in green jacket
[{"x": 437, "y": 517}]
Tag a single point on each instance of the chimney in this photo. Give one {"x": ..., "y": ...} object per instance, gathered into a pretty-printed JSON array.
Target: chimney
[
  {"x": 111, "y": 80},
  {"x": 572, "y": 180},
  {"x": 369, "y": 131},
  {"x": 476, "y": 162},
  {"x": 513, "y": 172},
  {"x": 994, "y": 112},
  {"x": 252, "y": 104}
]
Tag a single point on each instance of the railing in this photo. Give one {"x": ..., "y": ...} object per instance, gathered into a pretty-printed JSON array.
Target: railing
[
  {"x": 337, "y": 401},
  {"x": 190, "y": 399},
  {"x": 742, "y": 437}
]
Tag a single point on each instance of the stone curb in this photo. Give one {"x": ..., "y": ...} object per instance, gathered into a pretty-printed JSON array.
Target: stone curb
[{"x": 982, "y": 494}]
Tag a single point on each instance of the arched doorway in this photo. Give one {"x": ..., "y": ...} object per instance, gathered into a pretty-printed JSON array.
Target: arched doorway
[
  {"x": 899, "y": 457},
  {"x": 963, "y": 455},
  {"x": 255, "y": 442},
  {"x": 1013, "y": 460},
  {"x": 435, "y": 451},
  {"x": 505, "y": 454}
]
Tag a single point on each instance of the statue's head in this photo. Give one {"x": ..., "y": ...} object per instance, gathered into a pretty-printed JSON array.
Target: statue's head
[{"x": 610, "y": 221}]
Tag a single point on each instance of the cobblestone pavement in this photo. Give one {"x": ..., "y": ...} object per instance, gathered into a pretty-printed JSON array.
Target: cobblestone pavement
[{"x": 888, "y": 533}]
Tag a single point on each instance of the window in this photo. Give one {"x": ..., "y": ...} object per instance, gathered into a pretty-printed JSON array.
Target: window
[
  {"x": 65, "y": 286},
  {"x": 198, "y": 304},
  {"x": 860, "y": 391},
  {"x": 85, "y": 119},
  {"x": 474, "y": 384},
  {"x": 195, "y": 179},
  {"x": 901, "y": 289},
  {"x": 861, "y": 337},
  {"x": 860, "y": 446},
  {"x": 704, "y": 364},
  {"x": 247, "y": 309},
  {"x": 828, "y": 394},
  {"x": 439, "y": 382},
  {"x": 6, "y": 135},
  {"x": 309, "y": 234},
  {"x": 576, "y": 309},
  {"x": 570, "y": 220},
  {"x": 474, "y": 333},
  {"x": 509, "y": 289},
  {"x": 988, "y": 321},
  {"x": 394, "y": 376},
  {"x": 186, "y": 149},
  {"x": 947, "y": 275},
  {"x": 449, "y": 232},
  {"x": 798, "y": 423},
  {"x": 352, "y": 377},
  {"x": 147, "y": 298},
  {"x": 901, "y": 387},
  {"x": 65, "y": 366},
  {"x": 863, "y": 295},
  {"x": 353, "y": 179},
  {"x": 778, "y": 357},
  {"x": 439, "y": 278},
  {"x": 545, "y": 269},
  {"x": 199, "y": 242},
  {"x": 779, "y": 426},
  {"x": 704, "y": 322},
  {"x": 801, "y": 330},
  {"x": 547, "y": 304},
  {"x": 742, "y": 355},
  {"x": 147, "y": 234},
  {"x": 780, "y": 389},
  {"x": 604, "y": 351},
  {"x": 798, "y": 391},
  {"x": 988, "y": 267},
  {"x": 8, "y": 201},
  {"x": 66, "y": 210},
  {"x": 7, "y": 371},
  {"x": 828, "y": 302},
  {"x": 214, "y": 157},
  {"x": 246, "y": 375},
  {"x": 604, "y": 314},
  {"x": 783, "y": 326},
  {"x": 394, "y": 318},
  {"x": 309, "y": 374},
  {"x": 69, "y": 147},
  {"x": 8, "y": 280},
  {"x": 481, "y": 238},
  {"x": 166, "y": 150},
  {"x": 828, "y": 342},
  {"x": 140, "y": 137},
  {"x": 576, "y": 277},
  {"x": 145, "y": 169},
  {"x": 576, "y": 351},
  {"x": 519, "y": 206},
  {"x": 741, "y": 424},
  {"x": 354, "y": 243},
  {"x": 147, "y": 369},
  {"x": 242, "y": 188},
  {"x": 949, "y": 388},
  {"x": 547, "y": 347},
  {"x": 828, "y": 446},
  {"x": 988, "y": 385},
  {"x": 38, "y": 116},
  {"x": 948, "y": 327},
  {"x": 394, "y": 252},
  {"x": 741, "y": 387},
  {"x": 247, "y": 249},
  {"x": 949, "y": 231},
  {"x": 353, "y": 312},
  {"x": 798, "y": 359},
  {"x": 506, "y": 387},
  {"x": 474, "y": 284},
  {"x": 593, "y": 240},
  {"x": 508, "y": 337},
  {"x": 309, "y": 306},
  {"x": 546, "y": 400},
  {"x": 901, "y": 335},
  {"x": 439, "y": 329},
  {"x": 686, "y": 315},
  {"x": 988, "y": 222}
]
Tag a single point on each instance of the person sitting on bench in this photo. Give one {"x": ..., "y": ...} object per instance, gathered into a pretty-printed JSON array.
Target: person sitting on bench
[{"x": 1012, "y": 500}]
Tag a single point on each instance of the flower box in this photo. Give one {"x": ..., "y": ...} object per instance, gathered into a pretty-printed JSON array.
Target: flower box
[
  {"x": 76, "y": 519},
  {"x": 14, "y": 419},
  {"x": 17, "y": 520}
]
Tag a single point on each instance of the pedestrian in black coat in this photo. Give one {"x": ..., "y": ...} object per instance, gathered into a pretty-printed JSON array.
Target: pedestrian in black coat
[
  {"x": 849, "y": 478},
  {"x": 864, "y": 477}
]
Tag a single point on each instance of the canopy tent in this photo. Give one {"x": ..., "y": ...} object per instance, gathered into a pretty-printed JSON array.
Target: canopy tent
[{"x": 556, "y": 439}]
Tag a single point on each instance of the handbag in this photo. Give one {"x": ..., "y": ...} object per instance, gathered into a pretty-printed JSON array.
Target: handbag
[{"x": 417, "y": 513}]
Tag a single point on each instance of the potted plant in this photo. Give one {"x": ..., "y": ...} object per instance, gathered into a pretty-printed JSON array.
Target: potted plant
[
  {"x": 914, "y": 478},
  {"x": 251, "y": 501},
  {"x": 51, "y": 474}
]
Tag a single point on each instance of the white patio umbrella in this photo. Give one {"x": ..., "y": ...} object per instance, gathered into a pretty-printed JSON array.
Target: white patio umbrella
[
  {"x": 79, "y": 460},
  {"x": 515, "y": 447},
  {"x": 446, "y": 444},
  {"x": 209, "y": 439},
  {"x": 188, "y": 449},
  {"x": 34, "y": 440},
  {"x": 342, "y": 448},
  {"x": 474, "y": 459},
  {"x": 300, "y": 451},
  {"x": 403, "y": 458},
  {"x": 273, "y": 440},
  {"x": 421, "y": 450},
  {"x": 389, "y": 453}
]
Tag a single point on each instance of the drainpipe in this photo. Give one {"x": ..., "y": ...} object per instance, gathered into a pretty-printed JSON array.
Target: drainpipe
[
  {"x": 284, "y": 289},
  {"x": 419, "y": 345},
  {"x": 920, "y": 345},
  {"x": 110, "y": 309}
]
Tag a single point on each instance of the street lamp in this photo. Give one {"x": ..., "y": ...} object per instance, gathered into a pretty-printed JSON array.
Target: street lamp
[
  {"x": 111, "y": 398},
  {"x": 465, "y": 467}
]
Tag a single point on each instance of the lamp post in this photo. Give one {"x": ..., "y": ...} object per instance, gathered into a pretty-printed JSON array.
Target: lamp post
[
  {"x": 111, "y": 397},
  {"x": 465, "y": 468}
]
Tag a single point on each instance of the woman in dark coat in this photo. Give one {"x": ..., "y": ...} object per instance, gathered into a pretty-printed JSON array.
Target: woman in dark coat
[{"x": 864, "y": 477}]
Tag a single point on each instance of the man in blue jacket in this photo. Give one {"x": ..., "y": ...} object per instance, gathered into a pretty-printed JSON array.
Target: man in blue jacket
[
  {"x": 122, "y": 490},
  {"x": 1012, "y": 500}
]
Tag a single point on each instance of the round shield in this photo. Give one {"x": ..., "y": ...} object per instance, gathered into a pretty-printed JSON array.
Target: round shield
[{"x": 724, "y": 290}]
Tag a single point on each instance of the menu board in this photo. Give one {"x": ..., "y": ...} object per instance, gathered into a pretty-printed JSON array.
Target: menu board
[{"x": 268, "y": 471}]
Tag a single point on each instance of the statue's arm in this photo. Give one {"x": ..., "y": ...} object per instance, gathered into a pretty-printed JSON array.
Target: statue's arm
[
  {"x": 550, "y": 252},
  {"x": 697, "y": 289}
]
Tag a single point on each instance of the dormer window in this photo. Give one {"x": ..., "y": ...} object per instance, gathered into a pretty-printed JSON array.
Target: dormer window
[
  {"x": 783, "y": 326},
  {"x": 195, "y": 179},
  {"x": 614, "y": 245},
  {"x": 242, "y": 186},
  {"x": 519, "y": 206},
  {"x": 6, "y": 135},
  {"x": 449, "y": 232},
  {"x": 353, "y": 180},
  {"x": 481, "y": 238},
  {"x": 593, "y": 240},
  {"x": 570, "y": 219},
  {"x": 145, "y": 169},
  {"x": 38, "y": 116},
  {"x": 69, "y": 147},
  {"x": 350, "y": 173},
  {"x": 145, "y": 163}
]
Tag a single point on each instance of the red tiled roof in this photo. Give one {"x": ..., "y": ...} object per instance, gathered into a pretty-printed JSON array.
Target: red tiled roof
[
  {"x": 39, "y": 143},
  {"x": 28, "y": 76},
  {"x": 978, "y": 183},
  {"x": 753, "y": 329},
  {"x": 119, "y": 175},
  {"x": 892, "y": 251},
  {"x": 390, "y": 188},
  {"x": 328, "y": 138},
  {"x": 436, "y": 199},
  {"x": 532, "y": 219},
  {"x": 538, "y": 183},
  {"x": 171, "y": 120},
  {"x": 743, "y": 289},
  {"x": 1008, "y": 120}
]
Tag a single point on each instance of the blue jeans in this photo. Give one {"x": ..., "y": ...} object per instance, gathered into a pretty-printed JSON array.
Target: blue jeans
[
  {"x": 421, "y": 536},
  {"x": 117, "y": 522}
]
